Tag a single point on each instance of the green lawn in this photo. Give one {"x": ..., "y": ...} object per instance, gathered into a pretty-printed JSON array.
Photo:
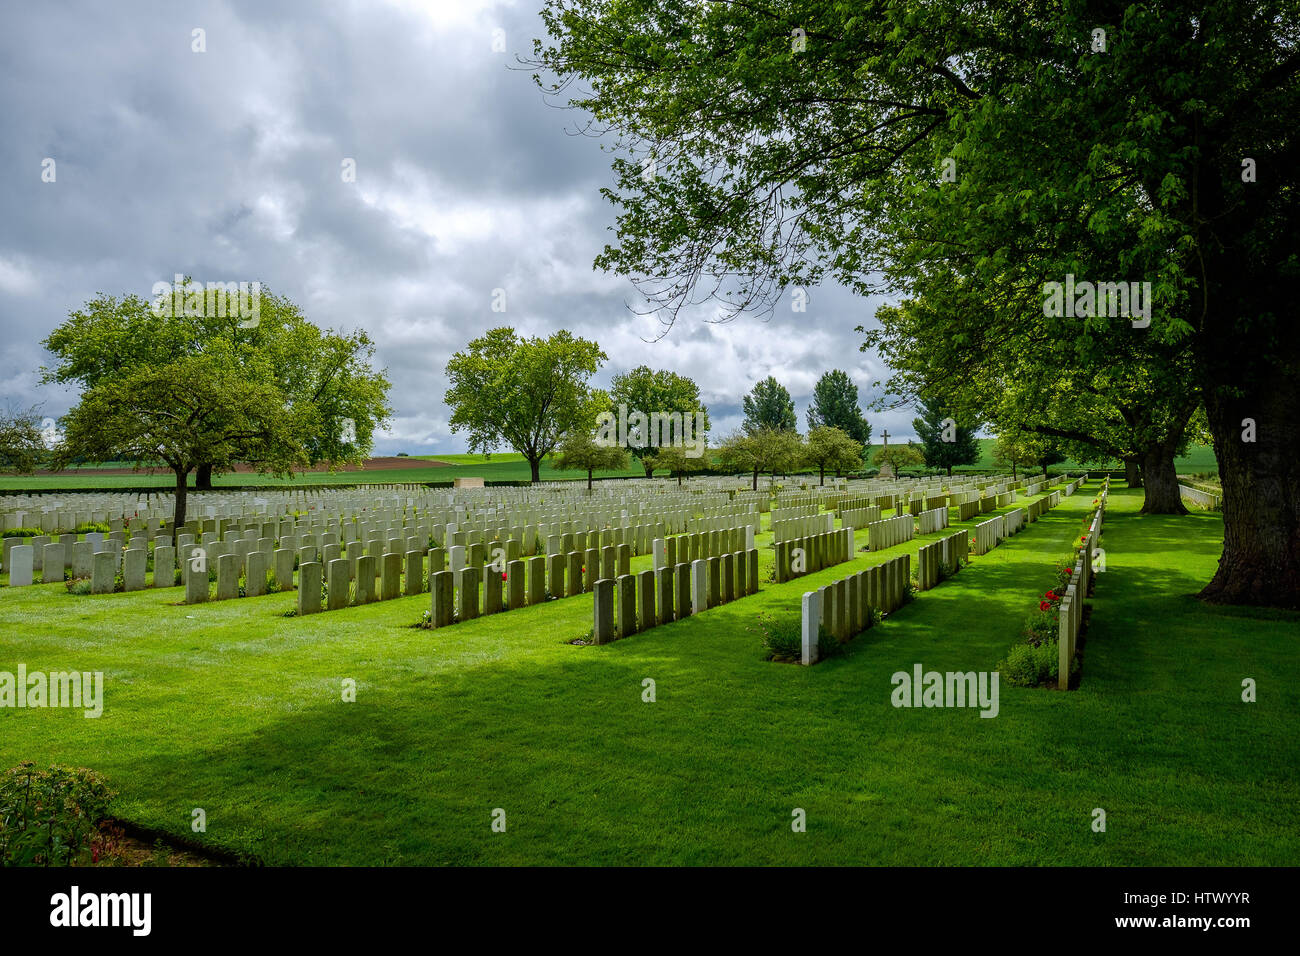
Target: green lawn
[
  {"x": 502, "y": 466},
  {"x": 236, "y": 709}
]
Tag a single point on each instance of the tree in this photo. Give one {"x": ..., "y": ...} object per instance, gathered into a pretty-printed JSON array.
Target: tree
[
  {"x": 946, "y": 442},
  {"x": 22, "y": 446},
  {"x": 835, "y": 403},
  {"x": 899, "y": 456},
  {"x": 322, "y": 370},
  {"x": 579, "y": 451},
  {"x": 766, "y": 450},
  {"x": 1014, "y": 452},
  {"x": 1131, "y": 401},
  {"x": 222, "y": 405},
  {"x": 525, "y": 393},
  {"x": 901, "y": 137},
  {"x": 676, "y": 462},
  {"x": 768, "y": 405},
  {"x": 662, "y": 392},
  {"x": 832, "y": 448}
]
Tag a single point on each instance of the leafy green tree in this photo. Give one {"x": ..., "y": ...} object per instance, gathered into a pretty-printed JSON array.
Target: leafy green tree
[
  {"x": 903, "y": 138},
  {"x": 660, "y": 391},
  {"x": 832, "y": 448},
  {"x": 899, "y": 457},
  {"x": 835, "y": 404},
  {"x": 221, "y": 405},
  {"x": 1013, "y": 452},
  {"x": 677, "y": 463},
  {"x": 768, "y": 450},
  {"x": 22, "y": 446},
  {"x": 579, "y": 451},
  {"x": 322, "y": 370},
  {"x": 526, "y": 393},
  {"x": 768, "y": 406},
  {"x": 946, "y": 442}
]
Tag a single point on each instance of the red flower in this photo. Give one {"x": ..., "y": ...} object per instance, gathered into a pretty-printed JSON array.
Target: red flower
[
  {"x": 1069, "y": 570},
  {"x": 1050, "y": 596},
  {"x": 1043, "y": 605},
  {"x": 503, "y": 575}
]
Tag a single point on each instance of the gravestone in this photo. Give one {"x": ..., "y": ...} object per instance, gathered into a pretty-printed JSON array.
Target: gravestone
[
  {"x": 227, "y": 577},
  {"x": 699, "y": 586},
  {"x": 365, "y": 591},
  {"x": 309, "y": 587},
  {"x": 390, "y": 585},
  {"x": 491, "y": 590},
  {"x": 414, "y": 572},
  {"x": 83, "y": 557},
  {"x": 812, "y": 616},
  {"x": 52, "y": 562},
  {"x": 255, "y": 566},
  {"x": 467, "y": 593},
  {"x": 603, "y": 631},
  {"x": 339, "y": 586},
  {"x": 441, "y": 586},
  {"x": 536, "y": 579},
  {"x": 134, "y": 563},
  {"x": 514, "y": 584},
  {"x": 626, "y": 588},
  {"x": 664, "y": 594},
  {"x": 646, "y": 599},
  {"x": 20, "y": 563},
  {"x": 103, "y": 573}
]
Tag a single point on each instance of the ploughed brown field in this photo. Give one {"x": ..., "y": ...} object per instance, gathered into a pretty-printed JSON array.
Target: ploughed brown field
[{"x": 392, "y": 463}]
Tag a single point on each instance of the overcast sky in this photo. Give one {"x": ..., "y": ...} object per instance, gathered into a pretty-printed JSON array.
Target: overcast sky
[{"x": 226, "y": 165}]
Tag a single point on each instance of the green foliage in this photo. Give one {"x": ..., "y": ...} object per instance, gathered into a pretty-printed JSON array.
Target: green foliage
[
  {"x": 647, "y": 390},
  {"x": 524, "y": 393},
  {"x": 833, "y": 449},
  {"x": 203, "y": 391},
  {"x": 22, "y": 533},
  {"x": 579, "y": 451},
  {"x": 22, "y": 445},
  {"x": 1030, "y": 665},
  {"x": 765, "y": 450},
  {"x": 768, "y": 407},
  {"x": 676, "y": 462},
  {"x": 900, "y": 456},
  {"x": 50, "y": 817},
  {"x": 782, "y": 637},
  {"x": 935, "y": 427},
  {"x": 835, "y": 405}
]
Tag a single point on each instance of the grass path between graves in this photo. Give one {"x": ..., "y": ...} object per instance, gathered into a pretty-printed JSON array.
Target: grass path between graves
[{"x": 236, "y": 709}]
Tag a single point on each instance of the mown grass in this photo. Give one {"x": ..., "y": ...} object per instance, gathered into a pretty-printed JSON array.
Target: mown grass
[
  {"x": 236, "y": 709},
  {"x": 501, "y": 466}
]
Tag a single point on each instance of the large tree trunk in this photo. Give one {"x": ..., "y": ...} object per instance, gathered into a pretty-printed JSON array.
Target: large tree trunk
[
  {"x": 823, "y": 475},
  {"x": 181, "y": 492},
  {"x": 588, "y": 479},
  {"x": 203, "y": 478},
  {"x": 1132, "y": 473},
  {"x": 1261, "y": 490},
  {"x": 1160, "y": 481},
  {"x": 756, "y": 479},
  {"x": 535, "y": 465}
]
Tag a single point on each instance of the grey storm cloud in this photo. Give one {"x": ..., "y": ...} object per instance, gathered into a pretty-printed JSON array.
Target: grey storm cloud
[{"x": 226, "y": 165}]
